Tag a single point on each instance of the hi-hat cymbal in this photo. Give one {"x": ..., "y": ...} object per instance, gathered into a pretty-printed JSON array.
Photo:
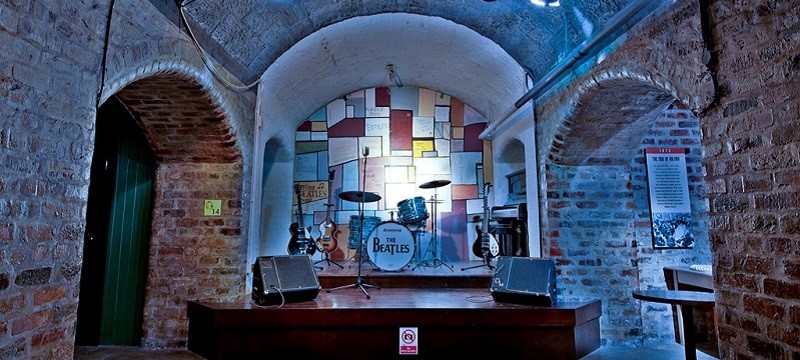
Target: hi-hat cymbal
[
  {"x": 434, "y": 184},
  {"x": 359, "y": 196}
]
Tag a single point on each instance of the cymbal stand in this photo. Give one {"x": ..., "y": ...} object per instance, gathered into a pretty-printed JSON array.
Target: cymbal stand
[
  {"x": 360, "y": 284},
  {"x": 434, "y": 261}
]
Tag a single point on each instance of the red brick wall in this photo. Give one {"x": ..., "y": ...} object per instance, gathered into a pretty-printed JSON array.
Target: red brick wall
[
  {"x": 192, "y": 256},
  {"x": 599, "y": 222},
  {"x": 46, "y": 140},
  {"x": 752, "y": 154}
]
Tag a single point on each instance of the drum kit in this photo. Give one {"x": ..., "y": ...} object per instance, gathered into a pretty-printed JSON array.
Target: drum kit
[{"x": 391, "y": 245}]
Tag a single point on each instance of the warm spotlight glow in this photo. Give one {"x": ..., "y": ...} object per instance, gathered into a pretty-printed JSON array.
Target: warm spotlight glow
[{"x": 545, "y": 2}]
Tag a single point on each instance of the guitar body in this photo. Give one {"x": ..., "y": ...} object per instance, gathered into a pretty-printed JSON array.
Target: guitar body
[
  {"x": 298, "y": 238},
  {"x": 485, "y": 240},
  {"x": 477, "y": 245},
  {"x": 327, "y": 240},
  {"x": 301, "y": 242}
]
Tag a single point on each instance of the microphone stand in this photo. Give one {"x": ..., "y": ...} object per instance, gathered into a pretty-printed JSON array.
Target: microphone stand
[{"x": 360, "y": 284}]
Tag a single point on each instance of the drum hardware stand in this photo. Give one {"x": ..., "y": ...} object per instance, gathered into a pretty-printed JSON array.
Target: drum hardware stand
[
  {"x": 434, "y": 261},
  {"x": 360, "y": 284}
]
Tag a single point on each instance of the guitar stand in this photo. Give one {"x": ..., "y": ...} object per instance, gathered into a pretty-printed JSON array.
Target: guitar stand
[
  {"x": 486, "y": 262},
  {"x": 327, "y": 259}
]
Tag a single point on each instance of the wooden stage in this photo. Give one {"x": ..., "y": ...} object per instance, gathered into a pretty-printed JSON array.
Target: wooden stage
[{"x": 452, "y": 311}]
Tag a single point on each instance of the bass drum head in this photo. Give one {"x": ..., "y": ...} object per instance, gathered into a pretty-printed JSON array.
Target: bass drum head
[{"x": 390, "y": 246}]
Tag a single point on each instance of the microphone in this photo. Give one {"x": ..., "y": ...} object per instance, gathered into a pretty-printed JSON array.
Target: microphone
[{"x": 366, "y": 151}]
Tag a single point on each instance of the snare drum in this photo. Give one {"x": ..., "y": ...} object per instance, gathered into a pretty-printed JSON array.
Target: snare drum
[
  {"x": 390, "y": 246},
  {"x": 370, "y": 222},
  {"x": 412, "y": 210}
]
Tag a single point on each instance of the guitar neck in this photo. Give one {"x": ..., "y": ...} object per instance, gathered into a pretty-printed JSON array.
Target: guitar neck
[
  {"x": 485, "y": 222},
  {"x": 299, "y": 211}
]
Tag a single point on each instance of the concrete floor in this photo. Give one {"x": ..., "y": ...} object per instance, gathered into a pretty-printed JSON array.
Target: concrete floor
[{"x": 662, "y": 352}]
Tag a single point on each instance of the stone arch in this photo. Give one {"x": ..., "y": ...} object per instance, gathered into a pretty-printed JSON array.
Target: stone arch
[
  {"x": 199, "y": 157},
  {"x": 595, "y": 163},
  {"x": 171, "y": 98},
  {"x": 608, "y": 113},
  {"x": 512, "y": 151}
]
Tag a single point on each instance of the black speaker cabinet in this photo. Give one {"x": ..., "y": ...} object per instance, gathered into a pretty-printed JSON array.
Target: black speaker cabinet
[
  {"x": 284, "y": 279},
  {"x": 524, "y": 280}
]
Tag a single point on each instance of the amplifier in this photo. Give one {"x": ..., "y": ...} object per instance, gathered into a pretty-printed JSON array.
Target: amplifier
[
  {"x": 284, "y": 279},
  {"x": 524, "y": 280}
]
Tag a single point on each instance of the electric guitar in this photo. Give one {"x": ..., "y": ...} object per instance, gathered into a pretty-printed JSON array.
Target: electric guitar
[
  {"x": 327, "y": 240},
  {"x": 301, "y": 242},
  {"x": 485, "y": 245}
]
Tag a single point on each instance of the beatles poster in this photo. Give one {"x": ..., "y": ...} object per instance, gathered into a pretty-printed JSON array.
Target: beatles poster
[{"x": 668, "y": 188}]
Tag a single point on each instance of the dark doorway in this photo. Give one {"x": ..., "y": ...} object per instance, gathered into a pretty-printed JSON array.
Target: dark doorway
[{"x": 118, "y": 218}]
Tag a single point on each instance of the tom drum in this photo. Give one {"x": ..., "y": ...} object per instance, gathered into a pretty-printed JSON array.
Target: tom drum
[
  {"x": 370, "y": 222},
  {"x": 412, "y": 210}
]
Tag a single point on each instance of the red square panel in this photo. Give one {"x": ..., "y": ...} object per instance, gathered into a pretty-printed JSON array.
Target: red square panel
[
  {"x": 383, "y": 97},
  {"x": 471, "y": 140},
  {"x": 400, "y": 124},
  {"x": 347, "y": 128}
]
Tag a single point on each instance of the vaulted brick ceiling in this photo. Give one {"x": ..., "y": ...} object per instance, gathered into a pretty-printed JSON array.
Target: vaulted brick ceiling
[
  {"x": 251, "y": 36},
  {"x": 253, "y": 33}
]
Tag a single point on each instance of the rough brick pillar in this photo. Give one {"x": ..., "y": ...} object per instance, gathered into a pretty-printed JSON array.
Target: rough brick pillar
[
  {"x": 752, "y": 155},
  {"x": 591, "y": 230},
  {"x": 192, "y": 256}
]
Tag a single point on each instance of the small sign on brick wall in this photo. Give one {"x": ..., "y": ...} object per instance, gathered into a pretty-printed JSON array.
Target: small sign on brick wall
[
  {"x": 212, "y": 207},
  {"x": 668, "y": 193}
]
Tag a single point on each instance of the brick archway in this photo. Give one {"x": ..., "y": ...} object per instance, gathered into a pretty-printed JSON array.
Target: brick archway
[
  {"x": 199, "y": 157},
  {"x": 608, "y": 123}
]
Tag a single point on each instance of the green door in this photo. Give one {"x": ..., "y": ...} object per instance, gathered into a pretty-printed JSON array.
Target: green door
[
  {"x": 118, "y": 232},
  {"x": 128, "y": 236}
]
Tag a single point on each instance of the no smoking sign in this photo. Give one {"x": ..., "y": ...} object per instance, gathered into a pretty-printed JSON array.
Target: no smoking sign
[{"x": 408, "y": 341}]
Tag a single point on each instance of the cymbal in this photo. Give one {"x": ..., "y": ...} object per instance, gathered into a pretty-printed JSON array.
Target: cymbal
[
  {"x": 434, "y": 184},
  {"x": 359, "y": 196}
]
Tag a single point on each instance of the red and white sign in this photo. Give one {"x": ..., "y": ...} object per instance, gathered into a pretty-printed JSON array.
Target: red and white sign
[{"x": 408, "y": 341}]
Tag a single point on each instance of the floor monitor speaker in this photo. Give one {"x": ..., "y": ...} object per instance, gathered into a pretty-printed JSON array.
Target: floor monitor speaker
[
  {"x": 284, "y": 279},
  {"x": 524, "y": 280}
]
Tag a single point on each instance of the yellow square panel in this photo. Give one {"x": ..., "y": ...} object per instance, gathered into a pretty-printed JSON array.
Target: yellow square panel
[
  {"x": 458, "y": 132},
  {"x": 421, "y": 146},
  {"x": 319, "y": 126}
]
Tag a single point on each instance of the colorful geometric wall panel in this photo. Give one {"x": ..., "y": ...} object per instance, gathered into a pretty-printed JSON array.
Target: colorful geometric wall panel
[
  {"x": 400, "y": 124},
  {"x": 421, "y": 146},
  {"x": 347, "y": 127},
  {"x": 335, "y": 111},
  {"x": 471, "y": 140},
  {"x": 405, "y": 98},
  {"x": 456, "y": 112},
  {"x": 427, "y": 102},
  {"x": 383, "y": 97},
  {"x": 414, "y": 136},
  {"x": 422, "y": 127}
]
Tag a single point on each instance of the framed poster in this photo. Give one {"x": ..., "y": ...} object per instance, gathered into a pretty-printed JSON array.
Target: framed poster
[{"x": 668, "y": 194}]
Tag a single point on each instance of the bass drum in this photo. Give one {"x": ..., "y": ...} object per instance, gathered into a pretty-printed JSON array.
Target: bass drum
[{"x": 390, "y": 246}]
